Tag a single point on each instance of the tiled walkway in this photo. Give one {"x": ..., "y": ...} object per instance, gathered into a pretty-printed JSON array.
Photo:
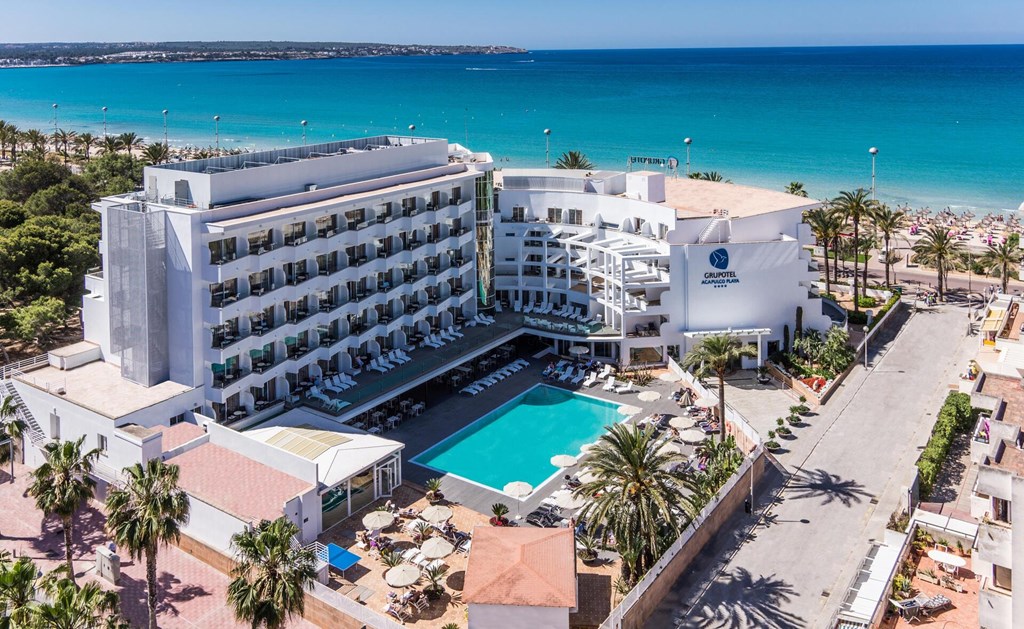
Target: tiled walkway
[{"x": 193, "y": 594}]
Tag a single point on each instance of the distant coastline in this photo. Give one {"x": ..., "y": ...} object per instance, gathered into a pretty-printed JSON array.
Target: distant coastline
[{"x": 88, "y": 53}]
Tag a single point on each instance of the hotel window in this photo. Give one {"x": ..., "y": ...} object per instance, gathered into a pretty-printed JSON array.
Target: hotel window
[
  {"x": 355, "y": 217},
  {"x": 260, "y": 241},
  {"x": 1002, "y": 577},
  {"x": 101, "y": 443},
  {"x": 518, "y": 214},
  {"x": 456, "y": 196},
  {"x": 177, "y": 419},
  {"x": 575, "y": 217},
  {"x": 295, "y": 233},
  {"x": 1001, "y": 510},
  {"x": 554, "y": 215}
]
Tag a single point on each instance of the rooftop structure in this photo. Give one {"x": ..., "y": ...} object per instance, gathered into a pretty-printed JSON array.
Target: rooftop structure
[{"x": 695, "y": 198}]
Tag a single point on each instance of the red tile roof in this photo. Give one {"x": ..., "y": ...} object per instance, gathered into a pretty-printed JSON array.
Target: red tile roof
[
  {"x": 236, "y": 484},
  {"x": 521, "y": 566},
  {"x": 178, "y": 434}
]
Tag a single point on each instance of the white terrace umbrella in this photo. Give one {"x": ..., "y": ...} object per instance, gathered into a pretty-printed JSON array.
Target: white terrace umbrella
[
  {"x": 402, "y": 576},
  {"x": 669, "y": 448},
  {"x": 579, "y": 350},
  {"x": 566, "y": 500},
  {"x": 628, "y": 409},
  {"x": 587, "y": 477},
  {"x": 518, "y": 490},
  {"x": 649, "y": 396},
  {"x": 563, "y": 460},
  {"x": 668, "y": 376},
  {"x": 588, "y": 447},
  {"x": 436, "y": 514},
  {"x": 378, "y": 520},
  {"x": 436, "y": 548},
  {"x": 692, "y": 435},
  {"x": 681, "y": 423}
]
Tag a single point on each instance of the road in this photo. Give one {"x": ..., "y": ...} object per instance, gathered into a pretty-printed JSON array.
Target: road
[
  {"x": 815, "y": 517},
  {"x": 915, "y": 276}
]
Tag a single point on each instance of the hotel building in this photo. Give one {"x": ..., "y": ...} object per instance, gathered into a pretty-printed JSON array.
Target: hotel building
[{"x": 230, "y": 286}]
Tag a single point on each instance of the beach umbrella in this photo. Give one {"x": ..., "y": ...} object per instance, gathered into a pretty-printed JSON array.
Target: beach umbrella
[
  {"x": 587, "y": 477},
  {"x": 436, "y": 514},
  {"x": 579, "y": 350},
  {"x": 378, "y": 520},
  {"x": 649, "y": 396},
  {"x": 518, "y": 490},
  {"x": 566, "y": 500},
  {"x": 402, "y": 576},
  {"x": 436, "y": 548},
  {"x": 682, "y": 423},
  {"x": 687, "y": 398},
  {"x": 668, "y": 376},
  {"x": 588, "y": 447},
  {"x": 627, "y": 409},
  {"x": 669, "y": 448},
  {"x": 692, "y": 435},
  {"x": 563, "y": 460}
]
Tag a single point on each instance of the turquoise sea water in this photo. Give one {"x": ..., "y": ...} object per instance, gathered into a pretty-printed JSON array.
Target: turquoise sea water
[
  {"x": 515, "y": 442},
  {"x": 947, "y": 119}
]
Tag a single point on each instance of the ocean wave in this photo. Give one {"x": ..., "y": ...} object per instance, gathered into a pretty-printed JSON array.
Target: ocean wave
[
  {"x": 526, "y": 61},
  {"x": 482, "y": 69}
]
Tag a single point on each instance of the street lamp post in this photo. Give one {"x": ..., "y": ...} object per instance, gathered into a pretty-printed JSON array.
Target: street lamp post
[
  {"x": 866, "y": 330},
  {"x": 304, "y": 123},
  {"x": 55, "y": 149},
  {"x": 104, "y": 121},
  {"x": 874, "y": 153},
  {"x": 165, "y": 128},
  {"x": 687, "y": 142},
  {"x": 216, "y": 132},
  {"x": 547, "y": 148}
]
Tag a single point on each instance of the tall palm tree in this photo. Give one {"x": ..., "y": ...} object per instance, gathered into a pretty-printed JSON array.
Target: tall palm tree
[
  {"x": 12, "y": 430},
  {"x": 155, "y": 153},
  {"x": 130, "y": 141},
  {"x": 720, "y": 460},
  {"x": 711, "y": 175},
  {"x": 636, "y": 494},
  {"x": 17, "y": 590},
  {"x": 574, "y": 160},
  {"x": 796, "y": 188},
  {"x": 146, "y": 512},
  {"x": 5, "y": 138},
  {"x": 271, "y": 574},
  {"x": 85, "y": 143},
  {"x": 1003, "y": 258},
  {"x": 716, "y": 355},
  {"x": 36, "y": 139},
  {"x": 825, "y": 224},
  {"x": 62, "y": 485},
  {"x": 14, "y": 140},
  {"x": 855, "y": 206},
  {"x": 939, "y": 249},
  {"x": 888, "y": 222},
  {"x": 110, "y": 144},
  {"x": 71, "y": 607},
  {"x": 62, "y": 141}
]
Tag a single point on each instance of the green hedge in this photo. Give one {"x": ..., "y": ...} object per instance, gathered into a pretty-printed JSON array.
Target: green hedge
[
  {"x": 955, "y": 417},
  {"x": 884, "y": 309}
]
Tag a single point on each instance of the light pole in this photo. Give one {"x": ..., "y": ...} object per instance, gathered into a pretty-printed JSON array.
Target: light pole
[
  {"x": 866, "y": 330},
  {"x": 874, "y": 153},
  {"x": 216, "y": 132},
  {"x": 412, "y": 130},
  {"x": 304, "y": 123},
  {"x": 547, "y": 148},
  {"x": 165, "y": 128},
  {"x": 55, "y": 149},
  {"x": 687, "y": 142},
  {"x": 104, "y": 121}
]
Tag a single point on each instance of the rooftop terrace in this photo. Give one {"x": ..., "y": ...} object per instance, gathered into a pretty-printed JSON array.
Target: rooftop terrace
[
  {"x": 694, "y": 198},
  {"x": 1010, "y": 390}
]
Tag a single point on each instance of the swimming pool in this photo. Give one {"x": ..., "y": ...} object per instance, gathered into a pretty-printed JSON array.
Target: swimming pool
[{"x": 515, "y": 442}]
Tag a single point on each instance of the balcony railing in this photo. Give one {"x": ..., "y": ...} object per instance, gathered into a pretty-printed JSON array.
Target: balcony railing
[
  {"x": 221, "y": 301},
  {"x": 221, "y": 381}
]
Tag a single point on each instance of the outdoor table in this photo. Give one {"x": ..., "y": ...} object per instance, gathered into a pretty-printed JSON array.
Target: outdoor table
[
  {"x": 341, "y": 559},
  {"x": 950, "y": 561}
]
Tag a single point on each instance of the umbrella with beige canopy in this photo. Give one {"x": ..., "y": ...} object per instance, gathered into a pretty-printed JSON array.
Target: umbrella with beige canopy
[
  {"x": 628, "y": 409},
  {"x": 566, "y": 500},
  {"x": 436, "y": 514},
  {"x": 518, "y": 490},
  {"x": 563, "y": 460},
  {"x": 402, "y": 576},
  {"x": 436, "y": 548},
  {"x": 376, "y": 520},
  {"x": 692, "y": 435},
  {"x": 649, "y": 396}
]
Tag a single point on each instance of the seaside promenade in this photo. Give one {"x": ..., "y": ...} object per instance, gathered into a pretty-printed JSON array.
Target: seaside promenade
[{"x": 789, "y": 567}]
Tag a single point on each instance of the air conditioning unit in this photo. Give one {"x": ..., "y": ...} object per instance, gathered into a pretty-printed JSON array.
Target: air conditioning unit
[{"x": 309, "y": 187}]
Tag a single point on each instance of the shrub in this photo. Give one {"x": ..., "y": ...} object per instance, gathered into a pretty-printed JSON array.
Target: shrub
[
  {"x": 898, "y": 521},
  {"x": 956, "y": 416},
  {"x": 867, "y": 301}
]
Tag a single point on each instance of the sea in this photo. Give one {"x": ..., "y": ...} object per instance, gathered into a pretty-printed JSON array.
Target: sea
[{"x": 946, "y": 120}]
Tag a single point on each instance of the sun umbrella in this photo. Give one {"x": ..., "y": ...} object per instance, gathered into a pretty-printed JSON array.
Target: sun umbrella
[
  {"x": 436, "y": 514},
  {"x": 668, "y": 376},
  {"x": 681, "y": 423},
  {"x": 588, "y": 447},
  {"x": 378, "y": 520},
  {"x": 566, "y": 500},
  {"x": 402, "y": 576},
  {"x": 587, "y": 477},
  {"x": 436, "y": 548},
  {"x": 692, "y": 435},
  {"x": 687, "y": 398},
  {"x": 627, "y": 409},
  {"x": 563, "y": 460},
  {"x": 668, "y": 448},
  {"x": 649, "y": 396},
  {"x": 579, "y": 350},
  {"x": 518, "y": 490}
]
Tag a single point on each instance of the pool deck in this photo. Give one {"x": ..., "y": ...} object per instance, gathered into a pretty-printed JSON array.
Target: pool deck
[{"x": 457, "y": 412}]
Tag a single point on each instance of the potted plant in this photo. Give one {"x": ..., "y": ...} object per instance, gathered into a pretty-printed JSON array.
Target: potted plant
[
  {"x": 421, "y": 532},
  {"x": 587, "y": 548},
  {"x": 390, "y": 559},
  {"x": 762, "y": 375},
  {"x": 434, "y": 575},
  {"x": 793, "y": 420},
  {"x": 782, "y": 430},
  {"x": 434, "y": 494},
  {"x": 928, "y": 575},
  {"x": 500, "y": 510},
  {"x": 772, "y": 445}
]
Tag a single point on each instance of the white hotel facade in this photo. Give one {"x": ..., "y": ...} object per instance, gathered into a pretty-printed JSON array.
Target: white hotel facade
[{"x": 229, "y": 283}]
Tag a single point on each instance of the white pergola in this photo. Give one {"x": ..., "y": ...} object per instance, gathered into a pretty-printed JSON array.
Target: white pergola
[{"x": 741, "y": 332}]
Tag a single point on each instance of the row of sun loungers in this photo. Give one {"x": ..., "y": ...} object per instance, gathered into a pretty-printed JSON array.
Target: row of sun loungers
[
  {"x": 480, "y": 319},
  {"x": 500, "y": 374},
  {"x": 613, "y": 386},
  {"x": 442, "y": 338},
  {"x": 569, "y": 312},
  {"x": 325, "y": 401},
  {"x": 386, "y": 362}
]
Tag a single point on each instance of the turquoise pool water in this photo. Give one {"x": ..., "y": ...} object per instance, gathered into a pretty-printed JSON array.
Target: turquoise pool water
[{"x": 515, "y": 442}]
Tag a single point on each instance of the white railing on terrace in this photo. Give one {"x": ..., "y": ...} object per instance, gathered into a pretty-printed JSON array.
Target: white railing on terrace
[{"x": 7, "y": 371}]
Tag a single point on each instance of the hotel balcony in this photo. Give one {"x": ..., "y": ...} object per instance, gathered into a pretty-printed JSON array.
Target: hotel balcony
[{"x": 228, "y": 377}]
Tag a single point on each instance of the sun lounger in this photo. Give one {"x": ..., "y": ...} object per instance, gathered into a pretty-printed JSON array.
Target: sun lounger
[
  {"x": 591, "y": 379},
  {"x": 471, "y": 390},
  {"x": 486, "y": 318},
  {"x": 444, "y": 334},
  {"x": 626, "y": 389},
  {"x": 489, "y": 380},
  {"x": 496, "y": 376},
  {"x": 579, "y": 376},
  {"x": 528, "y": 309},
  {"x": 607, "y": 371},
  {"x": 454, "y": 332},
  {"x": 610, "y": 384},
  {"x": 568, "y": 373}
]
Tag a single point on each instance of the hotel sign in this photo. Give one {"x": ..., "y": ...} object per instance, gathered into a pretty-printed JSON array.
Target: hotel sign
[
  {"x": 649, "y": 161},
  {"x": 722, "y": 277}
]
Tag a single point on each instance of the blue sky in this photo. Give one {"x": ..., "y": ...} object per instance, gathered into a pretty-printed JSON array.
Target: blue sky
[{"x": 534, "y": 24}]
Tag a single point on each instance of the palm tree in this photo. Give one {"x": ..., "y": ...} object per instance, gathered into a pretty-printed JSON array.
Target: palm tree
[
  {"x": 1002, "y": 258},
  {"x": 155, "y": 153},
  {"x": 69, "y": 607},
  {"x": 720, "y": 460},
  {"x": 888, "y": 222},
  {"x": 129, "y": 141},
  {"x": 62, "y": 485},
  {"x": 147, "y": 512},
  {"x": 938, "y": 248},
  {"x": 796, "y": 188},
  {"x": 85, "y": 143},
  {"x": 712, "y": 175},
  {"x": 855, "y": 206},
  {"x": 5, "y": 138},
  {"x": 574, "y": 160},
  {"x": 35, "y": 139},
  {"x": 14, "y": 140},
  {"x": 62, "y": 141},
  {"x": 111, "y": 144},
  {"x": 271, "y": 574},
  {"x": 17, "y": 590},
  {"x": 716, "y": 354},
  {"x": 11, "y": 429},
  {"x": 825, "y": 225},
  {"x": 636, "y": 494}
]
